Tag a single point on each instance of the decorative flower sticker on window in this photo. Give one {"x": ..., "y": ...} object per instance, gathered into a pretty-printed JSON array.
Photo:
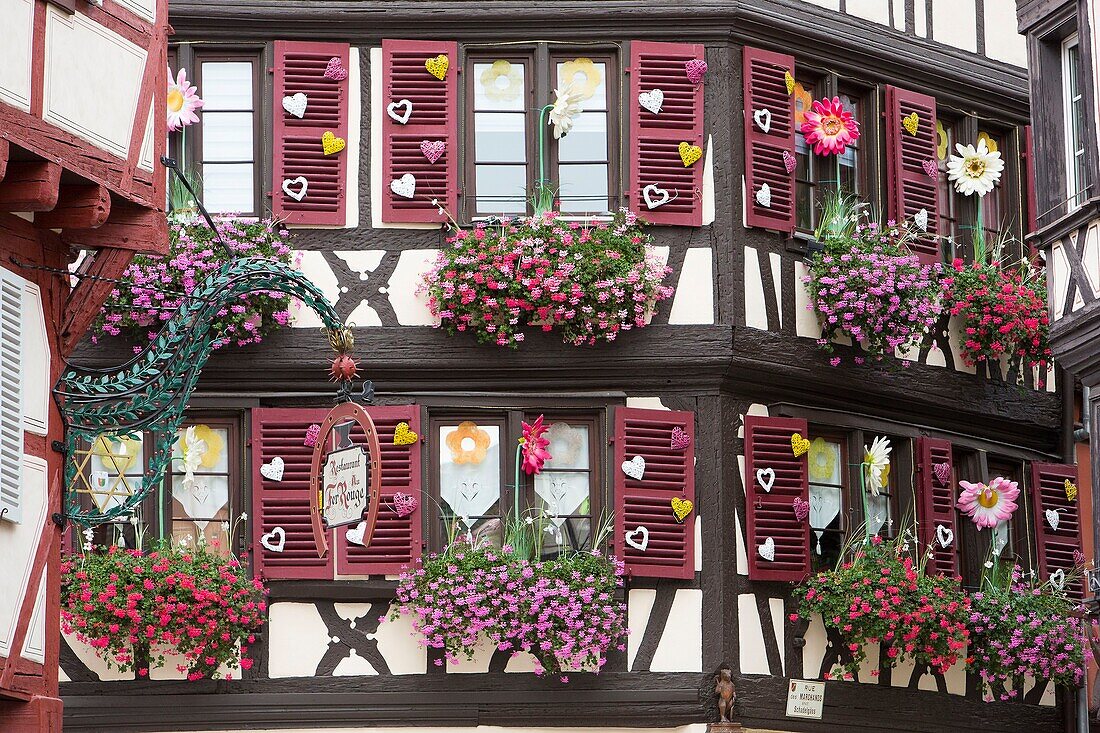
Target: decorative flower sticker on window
[
  {"x": 567, "y": 442},
  {"x": 803, "y": 99},
  {"x": 941, "y": 140},
  {"x": 829, "y": 128},
  {"x": 468, "y": 443},
  {"x": 988, "y": 506},
  {"x": 183, "y": 101},
  {"x": 822, "y": 460},
  {"x": 990, "y": 142},
  {"x": 533, "y": 447},
  {"x": 975, "y": 170},
  {"x": 583, "y": 75},
  {"x": 876, "y": 460},
  {"x": 502, "y": 81},
  {"x": 566, "y": 110}
]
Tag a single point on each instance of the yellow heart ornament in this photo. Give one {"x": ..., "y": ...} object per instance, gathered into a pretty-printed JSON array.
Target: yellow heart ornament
[
  {"x": 690, "y": 154},
  {"x": 1071, "y": 490},
  {"x": 681, "y": 508},
  {"x": 911, "y": 122},
  {"x": 799, "y": 445},
  {"x": 404, "y": 435},
  {"x": 788, "y": 78},
  {"x": 438, "y": 66},
  {"x": 332, "y": 144}
]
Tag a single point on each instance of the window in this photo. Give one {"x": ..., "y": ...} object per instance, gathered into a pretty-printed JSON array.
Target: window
[
  {"x": 227, "y": 139},
  {"x": 505, "y": 94},
  {"x": 828, "y": 466},
  {"x": 949, "y": 203},
  {"x": 1073, "y": 105},
  {"x": 473, "y": 472},
  {"x": 200, "y": 493}
]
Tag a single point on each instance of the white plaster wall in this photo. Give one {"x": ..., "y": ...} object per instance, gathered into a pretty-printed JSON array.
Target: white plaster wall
[
  {"x": 805, "y": 321},
  {"x": 18, "y": 545},
  {"x": 410, "y": 307},
  {"x": 400, "y": 649},
  {"x": 1002, "y": 42},
  {"x": 148, "y": 150},
  {"x": 314, "y": 267},
  {"x": 694, "y": 299},
  {"x": 708, "y": 183},
  {"x": 877, "y": 11},
  {"x": 354, "y": 141},
  {"x": 681, "y": 646},
  {"x": 639, "y": 604},
  {"x": 16, "y": 34},
  {"x": 77, "y": 49},
  {"x": 34, "y": 646},
  {"x": 954, "y": 22},
  {"x": 298, "y": 639},
  {"x": 756, "y": 315},
  {"x": 920, "y": 18},
  {"x": 750, "y": 634},
  {"x": 36, "y": 362}
]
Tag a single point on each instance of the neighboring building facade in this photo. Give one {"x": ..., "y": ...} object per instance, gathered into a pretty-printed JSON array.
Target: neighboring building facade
[
  {"x": 79, "y": 177},
  {"x": 732, "y": 358}
]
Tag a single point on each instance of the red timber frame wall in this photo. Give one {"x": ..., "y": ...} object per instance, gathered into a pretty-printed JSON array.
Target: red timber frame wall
[{"x": 82, "y": 198}]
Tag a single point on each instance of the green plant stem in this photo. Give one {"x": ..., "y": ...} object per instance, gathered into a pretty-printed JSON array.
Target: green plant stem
[
  {"x": 515, "y": 502},
  {"x": 863, "y": 497},
  {"x": 541, "y": 203}
]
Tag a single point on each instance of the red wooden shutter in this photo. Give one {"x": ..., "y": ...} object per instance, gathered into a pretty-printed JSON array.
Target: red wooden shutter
[
  {"x": 300, "y": 69},
  {"x": 770, "y": 514},
  {"x": 655, "y": 138},
  {"x": 1056, "y": 548},
  {"x": 765, "y": 88},
  {"x": 1031, "y": 207},
  {"x": 280, "y": 432},
  {"x": 910, "y": 188},
  {"x": 936, "y": 504},
  {"x": 397, "y": 540},
  {"x": 669, "y": 473},
  {"x": 434, "y": 117}
]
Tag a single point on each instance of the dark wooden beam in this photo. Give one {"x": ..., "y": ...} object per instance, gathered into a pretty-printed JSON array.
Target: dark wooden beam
[
  {"x": 88, "y": 296},
  {"x": 79, "y": 206},
  {"x": 4, "y": 151},
  {"x": 132, "y": 227},
  {"x": 30, "y": 186}
]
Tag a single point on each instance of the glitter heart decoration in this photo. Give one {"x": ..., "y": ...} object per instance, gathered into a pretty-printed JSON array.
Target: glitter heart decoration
[
  {"x": 275, "y": 540},
  {"x": 273, "y": 469},
  {"x": 767, "y": 550},
  {"x": 312, "y": 433},
  {"x": 652, "y": 100},
  {"x": 638, "y": 538},
  {"x": 433, "y": 149},
  {"x": 689, "y": 153},
  {"x": 680, "y": 439},
  {"x": 911, "y": 123},
  {"x": 1052, "y": 518},
  {"x": 404, "y": 504},
  {"x": 355, "y": 534},
  {"x": 295, "y": 104},
  {"x": 681, "y": 508},
  {"x": 799, "y": 445},
  {"x": 931, "y": 169},
  {"x": 438, "y": 66},
  {"x": 944, "y": 535},
  {"x": 801, "y": 508},
  {"x": 789, "y": 161},
  {"x": 1071, "y": 490},
  {"x": 405, "y": 186},
  {"x": 764, "y": 196},
  {"x": 392, "y": 107},
  {"x": 335, "y": 69},
  {"x": 296, "y": 193},
  {"x": 332, "y": 144},
  {"x": 655, "y": 196},
  {"x": 788, "y": 79},
  {"x": 403, "y": 434},
  {"x": 695, "y": 68},
  {"x": 942, "y": 472},
  {"x": 920, "y": 220},
  {"x": 634, "y": 468},
  {"x": 766, "y": 478},
  {"x": 763, "y": 119}
]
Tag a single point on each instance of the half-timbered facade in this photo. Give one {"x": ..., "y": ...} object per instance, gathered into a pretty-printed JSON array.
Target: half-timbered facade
[{"x": 732, "y": 360}]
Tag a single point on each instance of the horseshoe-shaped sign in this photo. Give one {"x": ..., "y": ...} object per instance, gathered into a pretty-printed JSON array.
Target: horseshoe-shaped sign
[{"x": 345, "y": 481}]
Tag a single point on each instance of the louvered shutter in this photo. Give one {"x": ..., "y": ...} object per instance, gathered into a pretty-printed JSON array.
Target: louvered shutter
[
  {"x": 11, "y": 395},
  {"x": 669, "y": 473},
  {"x": 434, "y": 117},
  {"x": 1056, "y": 547},
  {"x": 655, "y": 138},
  {"x": 280, "y": 432},
  {"x": 397, "y": 540},
  {"x": 300, "y": 69},
  {"x": 1031, "y": 207},
  {"x": 770, "y": 514},
  {"x": 936, "y": 504},
  {"x": 765, "y": 88},
  {"x": 910, "y": 188}
]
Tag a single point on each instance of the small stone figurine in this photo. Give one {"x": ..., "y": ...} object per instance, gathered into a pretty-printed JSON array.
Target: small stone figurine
[{"x": 725, "y": 691}]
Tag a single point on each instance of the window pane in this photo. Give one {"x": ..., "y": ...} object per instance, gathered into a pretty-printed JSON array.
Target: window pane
[
  {"x": 200, "y": 497},
  {"x": 203, "y": 450},
  {"x": 501, "y": 189},
  {"x": 227, "y": 136},
  {"x": 825, "y": 506},
  {"x": 568, "y": 446},
  {"x": 583, "y": 188},
  {"x": 588, "y": 77},
  {"x": 499, "y": 86},
  {"x": 226, "y": 85},
  {"x": 825, "y": 464},
  {"x": 469, "y": 470},
  {"x": 587, "y": 141},
  {"x": 563, "y": 494},
  {"x": 228, "y": 188},
  {"x": 113, "y": 470},
  {"x": 878, "y": 513},
  {"x": 1002, "y": 537},
  {"x": 500, "y": 138},
  {"x": 570, "y": 534}
]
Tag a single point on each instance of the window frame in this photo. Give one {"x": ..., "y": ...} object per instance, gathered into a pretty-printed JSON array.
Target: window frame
[{"x": 1075, "y": 189}]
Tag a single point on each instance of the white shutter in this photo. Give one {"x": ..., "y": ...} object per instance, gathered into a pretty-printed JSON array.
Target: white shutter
[{"x": 11, "y": 395}]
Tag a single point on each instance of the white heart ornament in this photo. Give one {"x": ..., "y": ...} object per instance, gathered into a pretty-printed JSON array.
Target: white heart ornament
[
  {"x": 767, "y": 550},
  {"x": 634, "y": 468},
  {"x": 764, "y": 196},
  {"x": 652, "y": 100},
  {"x": 766, "y": 478},
  {"x": 273, "y": 469},
  {"x": 650, "y": 194},
  {"x": 268, "y": 540},
  {"x": 642, "y": 541},
  {"x": 944, "y": 535},
  {"x": 392, "y": 107},
  {"x": 1058, "y": 579},
  {"x": 355, "y": 534},
  {"x": 405, "y": 186},
  {"x": 295, "y": 104},
  {"x": 298, "y": 194},
  {"x": 1052, "y": 518},
  {"x": 921, "y": 220},
  {"x": 763, "y": 119}
]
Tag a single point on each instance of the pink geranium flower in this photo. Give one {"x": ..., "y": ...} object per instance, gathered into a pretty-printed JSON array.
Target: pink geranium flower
[
  {"x": 988, "y": 506},
  {"x": 534, "y": 447},
  {"x": 829, "y": 128},
  {"x": 183, "y": 101}
]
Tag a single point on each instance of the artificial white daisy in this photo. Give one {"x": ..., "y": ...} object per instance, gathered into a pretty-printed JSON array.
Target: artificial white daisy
[
  {"x": 877, "y": 460},
  {"x": 566, "y": 109},
  {"x": 975, "y": 169}
]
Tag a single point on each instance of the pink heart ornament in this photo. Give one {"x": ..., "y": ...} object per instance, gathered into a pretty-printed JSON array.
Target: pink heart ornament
[
  {"x": 312, "y": 433},
  {"x": 801, "y": 508},
  {"x": 433, "y": 149},
  {"x": 680, "y": 439},
  {"x": 942, "y": 471},
  {"x": 789, "y": 161},
  {"x": 931, "y": 168},
  {"x": 404, "y": 504},
  {"x": 695, "y": 69},
  {"x": 335, "y": 69}
]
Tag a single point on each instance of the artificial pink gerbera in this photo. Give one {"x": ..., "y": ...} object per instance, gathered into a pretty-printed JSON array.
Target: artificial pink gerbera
[
  {"x": 183, "y": 101},
  {"x": 534, "y": 447},
  {"x": 829, "y": 128},
  {"x": 989, "y": 505}
]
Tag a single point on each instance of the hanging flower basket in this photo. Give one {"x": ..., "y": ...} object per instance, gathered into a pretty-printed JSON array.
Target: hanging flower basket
[
  {"x": 589, "y": 281},
  {"x": 158, "y": 284}
]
